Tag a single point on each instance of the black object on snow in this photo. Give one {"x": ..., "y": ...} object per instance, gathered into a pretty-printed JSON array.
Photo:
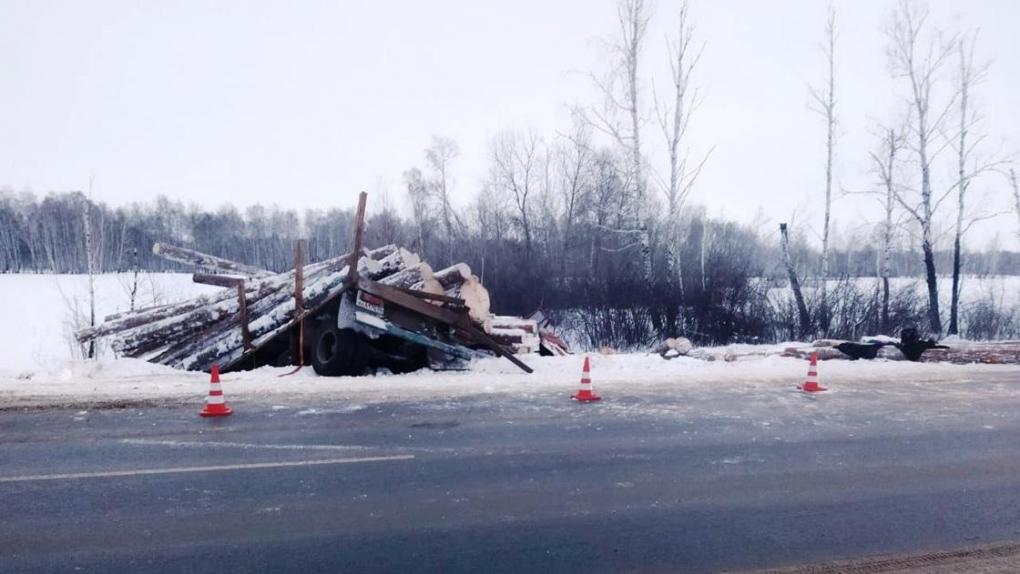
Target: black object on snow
[
  {"x": 912, "y": 346},
  {"x": 860, "y": 350}
]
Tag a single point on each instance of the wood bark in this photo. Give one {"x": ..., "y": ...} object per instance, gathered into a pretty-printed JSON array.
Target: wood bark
[
  {"x": 206, "y": 261},
  {"x": 791, "y": 272},
  {"x": 458, "y": 281},
  {"x": 827, "y": 101},
  {"x": 1016, "y": 198}
]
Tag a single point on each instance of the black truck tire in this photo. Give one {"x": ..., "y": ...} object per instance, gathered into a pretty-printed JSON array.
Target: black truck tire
[{"x": 337, "y": 352}]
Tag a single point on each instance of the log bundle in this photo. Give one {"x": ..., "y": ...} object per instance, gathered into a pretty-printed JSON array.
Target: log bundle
[
  {"x": 458, "y": 282},
  {"x": 521, "y": 335},
  {"x": 256, "y": 306}
]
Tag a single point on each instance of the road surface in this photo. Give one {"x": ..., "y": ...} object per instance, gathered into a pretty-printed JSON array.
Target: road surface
[{"x": 691, "y": 481}]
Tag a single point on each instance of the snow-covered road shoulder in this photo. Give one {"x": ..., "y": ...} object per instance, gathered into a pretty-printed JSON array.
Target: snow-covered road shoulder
[{"x": 128, "y": 382}]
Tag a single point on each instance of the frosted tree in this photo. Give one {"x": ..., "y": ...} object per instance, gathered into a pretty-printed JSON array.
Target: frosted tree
[
  {"x": 439, "y": 157},
  {"x": 969, "y": 164},
  {"x": 917, "y": 55},
  {"x": 418, "y": 197},
  {"x": 574, "y": 162},
  {"x": 674, "y": 119},
  {"x": 804, "y": 318},
  {"x": 620, "y": 118},
  {"x": 516, "y": 170},
  {"x": 93, "y": 248},
  {"x": 885, "y": 161},
  {"x": 1016, "y": 198},
  {"x": 824, "y": 102}
]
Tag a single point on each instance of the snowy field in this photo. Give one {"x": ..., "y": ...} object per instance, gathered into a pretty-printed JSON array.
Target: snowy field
[
  {"x": 1003, "y": 290},
  {"x": 40, "y": 312}
]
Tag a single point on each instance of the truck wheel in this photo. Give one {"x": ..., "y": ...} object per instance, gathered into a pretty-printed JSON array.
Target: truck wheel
[{"x": 337, "y": 352}]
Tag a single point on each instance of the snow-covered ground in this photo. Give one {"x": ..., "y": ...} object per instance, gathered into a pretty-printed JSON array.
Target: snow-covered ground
[
  {"x": 39, "y": 312},
  {"x": 126, "y": 381}
]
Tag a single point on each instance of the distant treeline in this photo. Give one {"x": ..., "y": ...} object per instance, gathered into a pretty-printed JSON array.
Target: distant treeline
[{"x": 589, "y": 265}]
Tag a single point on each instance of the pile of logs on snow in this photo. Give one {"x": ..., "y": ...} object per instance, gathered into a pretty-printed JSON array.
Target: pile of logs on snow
[
  {"x": 531, "y": 335},
  {"x": 256, "y": 305},
  {"x": 521, "y": 335}
]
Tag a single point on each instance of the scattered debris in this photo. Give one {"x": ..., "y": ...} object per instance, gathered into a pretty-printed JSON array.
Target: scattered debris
[
  {"x": 674, "y": 347},
  {"x": 550, "y": 343},
  {"x": 522, "y": 335},
  {"x": 859, "y": 350}
]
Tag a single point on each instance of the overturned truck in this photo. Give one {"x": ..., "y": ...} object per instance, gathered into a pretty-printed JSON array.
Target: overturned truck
[{"x": 378, "y": 308}]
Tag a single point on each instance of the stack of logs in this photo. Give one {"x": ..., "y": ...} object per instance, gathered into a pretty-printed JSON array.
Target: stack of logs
[{"x": 258, "y": 305}]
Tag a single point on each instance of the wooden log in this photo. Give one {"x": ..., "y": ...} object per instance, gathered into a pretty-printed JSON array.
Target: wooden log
[
  {"x": 178, "y": 336},
  {"x": 442, "y": 300},
  {"x": 359, "y": 231},
  {"x": 144, "y": 339},
  {"x": 115, "y": 316},
  {"x": 381, "y": 252},
  {"x": 269, "y": 319},
  {"x": 408, "y": 277},
  {"x": 224, "y": 347},
  {"x": 222, "y": 339},
  {"x": 176, "y": 310},
  {"x": 297, "y": 341},
  {"x": 179, "y": 311},
  {"x": 452, "y": 275},
  {"x": 121, "y": 322},
  {"x": 476, "y": 298},
  {"x": 226, "y": 281},
  {"x": 519, "y": 340},
  {"x": 429, "y": 283},
  {"x": 510, "y": 322},
  {"x": 137, "y": 342},
  {"x": 206, "y": 261},
  {"x": 237, "y": 283},
  {"x": 457, "y": 281},
  {"x": 275, "y": 322},
  {"x": 396, "y": 261}
]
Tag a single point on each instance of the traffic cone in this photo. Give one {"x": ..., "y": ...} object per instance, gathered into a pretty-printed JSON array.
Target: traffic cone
[
  {"x": 811, "y": 384},
  {"x": 586, "y": 394},
  {"x": 215, "y": 404}
]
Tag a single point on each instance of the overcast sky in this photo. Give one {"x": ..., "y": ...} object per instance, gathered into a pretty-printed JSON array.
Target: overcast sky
[{"x": 306, "y": 103}]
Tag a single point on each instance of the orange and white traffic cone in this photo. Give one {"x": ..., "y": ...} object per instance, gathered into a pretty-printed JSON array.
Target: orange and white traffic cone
[
  {"x": 811, "y": 384},
  {"x": 215, "y": 404},
  {"x": 586, "y": 394}
]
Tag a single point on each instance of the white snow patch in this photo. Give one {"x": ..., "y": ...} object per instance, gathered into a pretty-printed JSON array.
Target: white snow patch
[
  {"x": 39, "y": 313},
  {"x": 770, "y": 378}
]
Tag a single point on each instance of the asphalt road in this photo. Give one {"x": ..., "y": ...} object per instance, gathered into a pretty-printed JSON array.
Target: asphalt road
[{"x": 487, "y": 484}]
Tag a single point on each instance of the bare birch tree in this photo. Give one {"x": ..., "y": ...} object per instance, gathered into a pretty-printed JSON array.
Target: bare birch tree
[
  {"x": 791, "y": 272},
  {"x": 919, "y": 60},
  {"x": 884, "y": 162},
  {"x": 92, "y": 254},
  {"x": 439, "y": 156},
  {"x": 824, "y": 102},
  {"x": 418, "y": 196},
  {"x": 968, "y": 166},
  {"x": 575, "y": 165},
  {"x": 619, "y": 117},
  {"x": 515, "y": 159},
  {"x": 674, "y": 119},
  {"x": 1016, "y": 198}
]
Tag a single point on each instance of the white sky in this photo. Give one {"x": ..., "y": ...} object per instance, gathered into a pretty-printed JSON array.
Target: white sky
[{"x": 306, "y": 103}]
